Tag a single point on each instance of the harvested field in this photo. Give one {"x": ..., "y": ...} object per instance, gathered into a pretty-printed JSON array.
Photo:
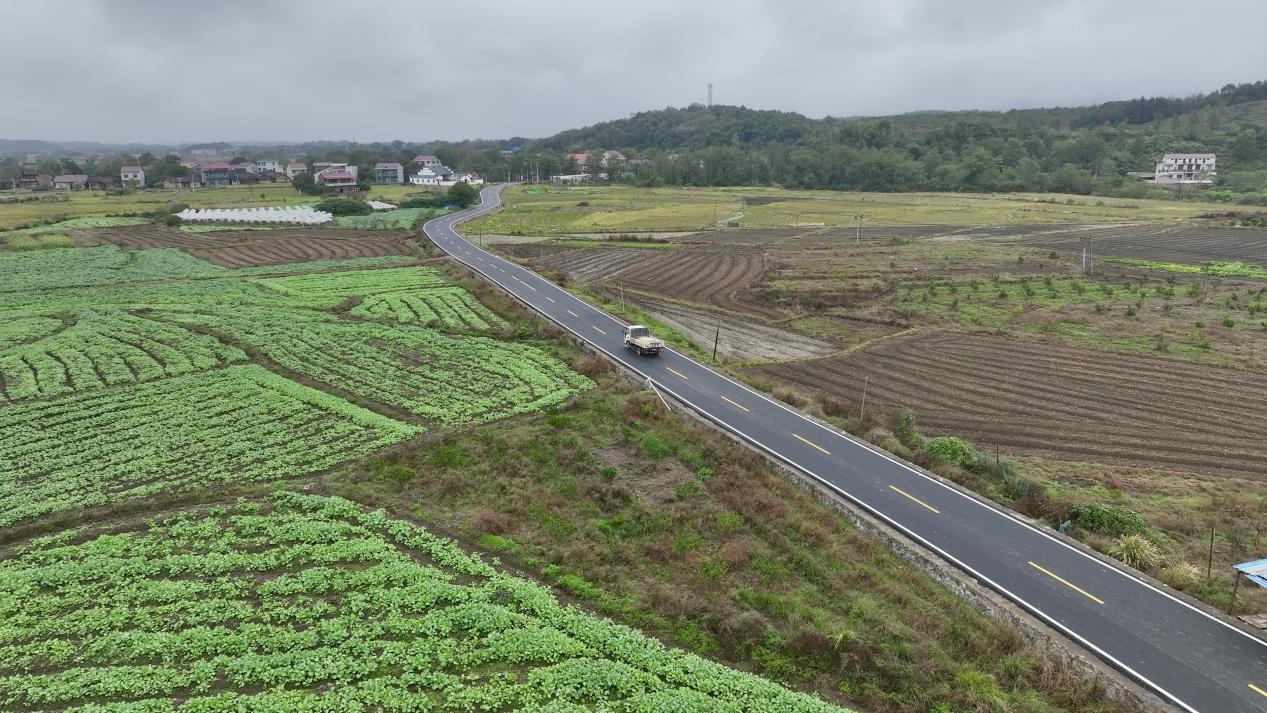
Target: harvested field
[
  {"x": 249, "y": 248},
  {"x": 590, "y": 264},
  {"x": 739, "y": 339},
  {"x": 748, "y": 236},
  {"x": 1165, "y": 243},
  {"x": 706, "y": 277},
  {"x": 1058, "y": 402},
  {"x": 531, "y": 249}
]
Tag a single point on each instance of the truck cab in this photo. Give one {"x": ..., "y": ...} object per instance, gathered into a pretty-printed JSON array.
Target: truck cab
[{"x": 638, "y": 338}]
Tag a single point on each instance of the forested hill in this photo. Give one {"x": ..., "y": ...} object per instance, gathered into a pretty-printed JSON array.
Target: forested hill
[{"x": 1079, "y": 150}]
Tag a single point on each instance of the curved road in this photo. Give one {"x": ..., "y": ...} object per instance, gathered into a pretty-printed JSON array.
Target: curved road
[{"x": 1186, "y": 656}]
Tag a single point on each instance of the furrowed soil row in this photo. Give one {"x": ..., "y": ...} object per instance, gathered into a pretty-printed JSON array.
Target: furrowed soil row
[
  {"x": 1185, "y": 244},
  {"x": 1059, "y": 402},
  {"x": 252, "y": 248},
  {"x": 706, "y": 277}
]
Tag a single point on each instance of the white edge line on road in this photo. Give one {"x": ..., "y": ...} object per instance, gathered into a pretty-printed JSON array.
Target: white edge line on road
[{"x": 1035, "y": 610}]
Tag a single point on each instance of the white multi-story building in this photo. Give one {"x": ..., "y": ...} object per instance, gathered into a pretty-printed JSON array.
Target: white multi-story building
[
  {"x": 1186, "y": 168},
  {"x": 268, "y": 164}
]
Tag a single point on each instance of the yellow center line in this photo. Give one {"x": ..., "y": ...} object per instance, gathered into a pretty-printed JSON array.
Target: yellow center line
[
  {"x": 599, "y": 330},
  {"x": 899, "y": 491},
  {"x": 675, "y": 371},
  {"x": 811, "y": 443},
  {"x": 573, "y": 313},
  {"x": 1067, "y": 583},
  {"x": 1257, "y": 690},
  {"x": 732, "y": 403}
]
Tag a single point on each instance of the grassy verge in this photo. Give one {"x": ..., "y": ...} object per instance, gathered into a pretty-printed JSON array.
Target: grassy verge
[{"x": 648, "y": 518}]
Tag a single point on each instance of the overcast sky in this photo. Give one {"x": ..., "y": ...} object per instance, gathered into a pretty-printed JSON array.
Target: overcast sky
[{"x": 292, "y": 70}]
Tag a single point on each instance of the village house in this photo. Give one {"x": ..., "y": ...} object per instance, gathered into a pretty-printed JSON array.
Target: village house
[
  {"x": 72, "y": 182},
  {"x": 426, "y": 160},
  {"x": 320, "y": 166},
  {"x": 132, "y": 176},
  {"x": 31, "y": 180},
  {"x": 610, "y": 155},
  {"x": 336, "y": 180},
  {"x": 389, "y": 173},
  {"x": 179, "y": 183},
  {"x": 218, "y": 173},
  {"x": 271, "y": 177},
  {"x": 98, "y": 184},
  {"x": 435, "y": 175},
  {"x": 268, "y": 164},
  {"x": 294, "y": 169},
  {"x": 189, "y": 163},
  {"x": 1186, "y": 168}
]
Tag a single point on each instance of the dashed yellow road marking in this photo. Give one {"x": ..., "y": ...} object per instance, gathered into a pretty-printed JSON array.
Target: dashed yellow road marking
[
  {"x": 736, "y": 405},
  {"x": 1257, "y": 690},
  {"x": 903, "y": 493},
  {"x": 675, "y": 371},
  {"x": 811, "y": 443},
  {"x": 1067, "y": 583},
  {"x": 573, "y": 313},
  {"x": 599, "y": 330}
]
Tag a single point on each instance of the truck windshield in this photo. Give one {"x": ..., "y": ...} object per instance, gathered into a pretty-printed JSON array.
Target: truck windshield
[{"x": 638, "y": 332}]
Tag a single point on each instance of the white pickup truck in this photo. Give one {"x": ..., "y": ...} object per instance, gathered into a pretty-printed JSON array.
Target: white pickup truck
[{"x": 639, "y": 339}]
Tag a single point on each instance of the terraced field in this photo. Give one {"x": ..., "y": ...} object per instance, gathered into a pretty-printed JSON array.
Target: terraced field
[
  {"x": 591, "y": 264},
  {"x": 1064, "y": 403},
  {"x": 1162, "y": 243},
  {"x": 246, "y": 248},
  {"x": 305, "y": 603}
]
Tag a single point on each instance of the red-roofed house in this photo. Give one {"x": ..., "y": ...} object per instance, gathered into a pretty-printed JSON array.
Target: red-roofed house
[
  {"x": 581, "y": 159},
  {"x": 389, "y": 173},
  {"x": 294, "y": 169},
  {"x": 132, "y": 176},
  {"x": 73, "y": 182},
  {"x": 337, "y": 180}
]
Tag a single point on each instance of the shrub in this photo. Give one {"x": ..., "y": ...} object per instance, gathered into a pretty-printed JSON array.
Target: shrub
[
  {"x": 344, "y": 206},
  {"x": 422, "y": 202},
  {"x": 950, "y": 449},
  {"x": 1137, "y": 551},
  {"x": 1108, "y": 520},
  {"x": 907, "y": 431},
  {"x": 1229, "y": 321},
  {"x": 1181, "y": 575}
]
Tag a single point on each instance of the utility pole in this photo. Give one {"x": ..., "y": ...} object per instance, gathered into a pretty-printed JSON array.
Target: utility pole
[
  {"x": 858, "y": 229},
  {"x": 862, "y": 413},
  {"x": 716, "y": 336},
  {"x": 1209, "y": 563}
]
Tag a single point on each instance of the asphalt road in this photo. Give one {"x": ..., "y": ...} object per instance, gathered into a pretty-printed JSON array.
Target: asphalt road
[{"x": 1187, "y": 657}]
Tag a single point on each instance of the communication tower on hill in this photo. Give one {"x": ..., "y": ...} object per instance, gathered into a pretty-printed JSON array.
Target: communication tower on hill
[{"x": 710, "y": 95}]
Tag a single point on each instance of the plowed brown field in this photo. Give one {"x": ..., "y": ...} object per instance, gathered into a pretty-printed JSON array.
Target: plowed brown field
[
  {"x": 248, "y": 248},
  {"x": 1188, "y": 244},
  {"x": 704, "y": 276},
  {"x": 1059, "y": 402}
]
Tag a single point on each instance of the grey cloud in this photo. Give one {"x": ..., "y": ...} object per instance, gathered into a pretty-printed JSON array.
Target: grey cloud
[{"x": 165, "y": 70}]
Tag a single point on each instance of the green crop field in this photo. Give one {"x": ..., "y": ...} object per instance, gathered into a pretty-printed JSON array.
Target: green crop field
[
  {"x": 398, "y": 219},
  {"x": 128, "y": 373},
  {"x": 452, "y": 307},
  {"x": 308, "y": 603}
]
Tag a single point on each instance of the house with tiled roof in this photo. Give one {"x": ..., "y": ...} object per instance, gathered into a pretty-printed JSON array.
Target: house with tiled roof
[
  {"x": 132, "y": 175},
  {"x": 295, "y": 168},
  {"x": 389, "y": 173},
  {"x": 70, "y": 182},
  {"x": 337, "y": 179}
]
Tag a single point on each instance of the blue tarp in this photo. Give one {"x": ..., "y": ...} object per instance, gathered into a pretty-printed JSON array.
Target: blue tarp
[{"x": 1256, "y": 571}]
